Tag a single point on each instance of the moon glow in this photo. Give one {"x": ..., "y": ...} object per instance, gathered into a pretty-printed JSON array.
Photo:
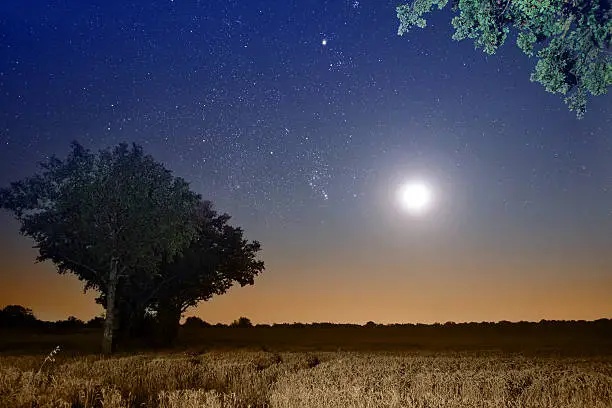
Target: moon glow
[{"x": 415, "y": 197}]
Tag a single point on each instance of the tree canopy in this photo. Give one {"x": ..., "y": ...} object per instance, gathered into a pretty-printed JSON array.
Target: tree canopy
[
  {"x": 104, "y": 217},
  {"x": 242, "y": 322},
  {"x": 17, "y": 316},
  {"x": 216, "y": 259},
  {"x": 570, "y": 38}
]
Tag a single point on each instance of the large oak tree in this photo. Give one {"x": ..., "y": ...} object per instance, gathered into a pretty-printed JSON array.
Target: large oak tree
[{"x": 105, "y": 217}]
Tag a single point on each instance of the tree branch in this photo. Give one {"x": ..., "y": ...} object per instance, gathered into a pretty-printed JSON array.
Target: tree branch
[
  {"x": 65, "y": 258},
  {"x": 157, "y": 289},
  {"x": 505, "y": 8}
]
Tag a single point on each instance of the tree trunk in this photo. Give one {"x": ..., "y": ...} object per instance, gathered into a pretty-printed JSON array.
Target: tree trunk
[
  {"x": 169, "y": 318},
  {"x": 109, "y": 322}
]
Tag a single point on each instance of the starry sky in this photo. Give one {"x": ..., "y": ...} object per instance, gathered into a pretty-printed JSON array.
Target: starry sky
[{"x": 301, "y": 119}]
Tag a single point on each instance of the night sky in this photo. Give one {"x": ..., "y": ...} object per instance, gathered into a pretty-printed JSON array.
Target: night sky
[{"x": 301, "y": 119}]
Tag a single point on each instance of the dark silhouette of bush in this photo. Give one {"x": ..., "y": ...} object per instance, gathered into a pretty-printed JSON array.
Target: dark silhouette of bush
[
  {"x": 95, "y": 323},
  {"x": 194, "y": 322},
  {"x": 71, "y": 323},
  {"x": 243, "y": 322},
  {"x": 16, "y": 316}
]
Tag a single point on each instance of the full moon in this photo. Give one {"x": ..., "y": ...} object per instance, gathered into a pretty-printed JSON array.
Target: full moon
[{"x": 415, "y": 197}]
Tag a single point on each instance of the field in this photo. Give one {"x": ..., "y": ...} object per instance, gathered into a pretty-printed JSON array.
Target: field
[{"x": 310, "y": 368}]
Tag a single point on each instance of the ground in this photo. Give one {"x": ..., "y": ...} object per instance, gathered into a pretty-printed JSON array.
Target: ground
[{"x": 312, "y": 367}]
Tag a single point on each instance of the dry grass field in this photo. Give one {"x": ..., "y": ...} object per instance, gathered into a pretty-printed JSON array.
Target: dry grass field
[
  {"x": 309, "y": 380},
  {"x": 311, "y": 368}
]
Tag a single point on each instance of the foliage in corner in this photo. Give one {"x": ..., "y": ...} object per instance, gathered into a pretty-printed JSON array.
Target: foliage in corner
[{"x": 570, "y": 38}]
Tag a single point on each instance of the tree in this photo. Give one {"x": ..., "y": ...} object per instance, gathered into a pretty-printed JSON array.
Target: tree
[
  {"x": 106, "y": 218},
  {"x": 195, "y": 323},
  {"x": 95, "y": 323},
  {"x": 572, "y": 38},
  {"x": 217, "y": 259},
  {"x": 17, "y": 316},
  {"x": 243, "y": 322}
]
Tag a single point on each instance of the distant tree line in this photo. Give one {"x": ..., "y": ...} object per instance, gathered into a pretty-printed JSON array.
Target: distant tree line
[
  {"x": 15, "y": 316},
  {"x": 19, "y": 317}
]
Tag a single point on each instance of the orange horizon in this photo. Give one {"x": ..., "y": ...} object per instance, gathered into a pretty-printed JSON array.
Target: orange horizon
[
  {"x": 316, "y": 283},
  {"x": 274, "y": 300}
]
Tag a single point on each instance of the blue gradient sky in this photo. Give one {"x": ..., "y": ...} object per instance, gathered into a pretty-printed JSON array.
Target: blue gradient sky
[{"x": 305, "y": 144}]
